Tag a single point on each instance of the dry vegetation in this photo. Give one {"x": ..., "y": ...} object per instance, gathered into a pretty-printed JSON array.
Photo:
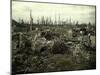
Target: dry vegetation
[{"x": 49, "y": 48}]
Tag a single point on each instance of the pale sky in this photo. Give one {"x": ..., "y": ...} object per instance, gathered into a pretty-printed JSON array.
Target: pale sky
[{"x": 83, "y": 14}]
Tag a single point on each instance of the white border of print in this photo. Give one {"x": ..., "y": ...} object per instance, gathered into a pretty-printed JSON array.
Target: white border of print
[{"x": 5, "y": 37}]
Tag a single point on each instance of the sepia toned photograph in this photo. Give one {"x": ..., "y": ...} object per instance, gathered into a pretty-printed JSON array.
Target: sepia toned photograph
[{"x": 52, "y": 37}]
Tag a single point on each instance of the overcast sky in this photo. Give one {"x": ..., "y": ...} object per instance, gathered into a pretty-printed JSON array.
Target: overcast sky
[{"x": 83, "y": 14}]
